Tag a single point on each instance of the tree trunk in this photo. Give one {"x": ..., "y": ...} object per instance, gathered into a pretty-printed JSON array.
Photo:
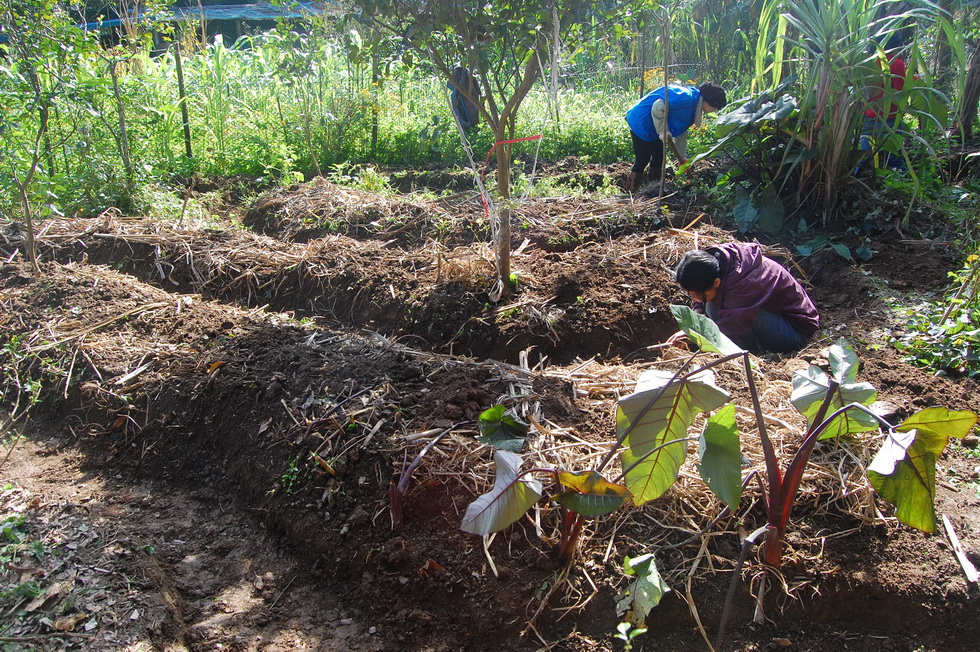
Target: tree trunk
[
  {"x": 967, "y": 114},
  {"x": 503, "y": 129},
  {"x": 123, "y": 135},
  {"x": 502, "y": 243},
  {"x": 182, "y": 94},
  {"x": 375, "y": 88},
  {"x": 24, "y": 184},
  {"x": 29, "y": 224}
]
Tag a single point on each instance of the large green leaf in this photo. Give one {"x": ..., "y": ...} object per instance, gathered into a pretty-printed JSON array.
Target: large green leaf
[
  {"x": 843, "y": 362},
  {"x": 809, "y": 390},
  {"x": 501, "y": 430},
  {"x": 745, "y": 213},
  {"x": 644, "y": 593},
  {"x": 754, "y": 112},
  {"x": 703, "y": 332},
  {"x": 941, "y": 421},
  {"x": 590, "y": 494},
  {"x": 507, "y": 502},
  {"x": 771, "y": 211},
  {"x": 721, "y": 457},
  {"x": 904, "y": 470},
  {"x": 904, "y": 473},
  {"x": 652, "y": 423}
]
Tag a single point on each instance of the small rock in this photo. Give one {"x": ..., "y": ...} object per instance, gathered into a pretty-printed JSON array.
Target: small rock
[
  {"x": 545, "y": 563},
  {"x": 884, "y": 409},
  {"x": 359, "y": 517}
]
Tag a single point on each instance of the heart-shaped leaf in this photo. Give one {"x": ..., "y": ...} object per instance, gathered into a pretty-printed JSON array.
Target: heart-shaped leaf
[
  {"x": 703, "y": 332},
  {"x": 720, "y": 456},
  {"x": 809, "y": 390},
  {"x": 661, "y": 411},
  {"x": 507, "y": 502},
  {"x": 644, "y": 593},
  {"x": 501, "y": 430},
  {"x": 589, "y": 494},
  {"x": 904, "y": 470}
]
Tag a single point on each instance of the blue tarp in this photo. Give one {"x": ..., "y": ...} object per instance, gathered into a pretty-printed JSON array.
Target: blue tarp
[{"x": 263, "y": 11}]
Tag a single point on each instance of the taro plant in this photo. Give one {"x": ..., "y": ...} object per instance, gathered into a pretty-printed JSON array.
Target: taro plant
[
  {"x": 652, "y": 442},
  {"x": 903, "y": 472},
  {"x": 749, "y": 133},
  {"x": 653, "y": 438},
  {"x": 837, "y": 406}
]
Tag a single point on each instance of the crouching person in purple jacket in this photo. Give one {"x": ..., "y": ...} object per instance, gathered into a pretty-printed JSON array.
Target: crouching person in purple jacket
[{"x": 753, "y": 299}]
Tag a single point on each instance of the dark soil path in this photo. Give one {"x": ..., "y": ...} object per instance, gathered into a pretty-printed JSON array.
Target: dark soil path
[{"x": 222, "y": 412}]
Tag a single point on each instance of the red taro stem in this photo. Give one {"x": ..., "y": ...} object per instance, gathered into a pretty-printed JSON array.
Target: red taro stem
[
  {"x": 571, "y": 531},
  {"x": 783, "y": 494}
]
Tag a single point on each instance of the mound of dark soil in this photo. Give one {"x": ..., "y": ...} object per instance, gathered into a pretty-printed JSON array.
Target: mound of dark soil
[{"x": 243, "y": 403}]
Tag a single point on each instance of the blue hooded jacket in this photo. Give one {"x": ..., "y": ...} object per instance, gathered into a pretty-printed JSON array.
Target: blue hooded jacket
[{"x": 682, "y": 104}]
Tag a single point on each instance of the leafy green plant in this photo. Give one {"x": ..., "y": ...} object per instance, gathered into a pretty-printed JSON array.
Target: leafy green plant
[
  {"x": 837, "y": 406},
  {"x": 944, "y": 335},
  {"x": 821, "y": 242},
  {"x": 626, "y": 633},
  {"x": 640, "y": 597},
  {"x": 830, "y": 54},
  {"x": 652, "y": 426},
  {"x": 290, "y": 477},
  {"x": 750, "y": 133},
  {"x": 653, "y": 438},
  {"x": 367, "y": 178}
]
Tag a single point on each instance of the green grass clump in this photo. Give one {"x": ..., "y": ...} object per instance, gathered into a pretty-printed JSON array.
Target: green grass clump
[{"x": 945, "y": 335}]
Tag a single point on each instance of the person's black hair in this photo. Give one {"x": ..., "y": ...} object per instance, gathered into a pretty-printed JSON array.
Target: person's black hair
[
  {"x": 697, "y": 270},
  {"x": 897, "y": 40},
  {"x": 714, "y": 95}
]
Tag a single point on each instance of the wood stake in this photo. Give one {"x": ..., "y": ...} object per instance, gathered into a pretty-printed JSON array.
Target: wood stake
[{"x": 968, "y": 568}]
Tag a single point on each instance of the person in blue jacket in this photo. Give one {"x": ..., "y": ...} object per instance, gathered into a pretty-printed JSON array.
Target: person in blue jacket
[{"x": 668, "y": 108}]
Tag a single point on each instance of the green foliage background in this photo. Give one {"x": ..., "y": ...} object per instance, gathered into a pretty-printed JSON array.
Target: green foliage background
[{"x": 87, "y": 126}]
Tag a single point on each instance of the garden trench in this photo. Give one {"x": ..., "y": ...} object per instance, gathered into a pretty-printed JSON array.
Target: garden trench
[{"x": 201, "y": 365}]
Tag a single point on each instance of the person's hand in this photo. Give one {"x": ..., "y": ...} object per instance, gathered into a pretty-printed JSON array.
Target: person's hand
[{"x": 680, "y": 340}]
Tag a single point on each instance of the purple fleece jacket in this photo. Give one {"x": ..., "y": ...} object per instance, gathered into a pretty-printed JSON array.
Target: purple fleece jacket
[{"x": 751, "y": 282}]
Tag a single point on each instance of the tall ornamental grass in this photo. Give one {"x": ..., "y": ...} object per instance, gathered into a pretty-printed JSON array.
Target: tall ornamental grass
[{"x": 836, "y": 52}]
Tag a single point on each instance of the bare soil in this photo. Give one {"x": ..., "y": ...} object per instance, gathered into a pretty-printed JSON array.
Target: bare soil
[{"x": 224, "y": 407}]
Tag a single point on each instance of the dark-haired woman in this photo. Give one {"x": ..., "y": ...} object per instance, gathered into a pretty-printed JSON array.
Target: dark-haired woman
[{"x": 753, "y": 299}]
